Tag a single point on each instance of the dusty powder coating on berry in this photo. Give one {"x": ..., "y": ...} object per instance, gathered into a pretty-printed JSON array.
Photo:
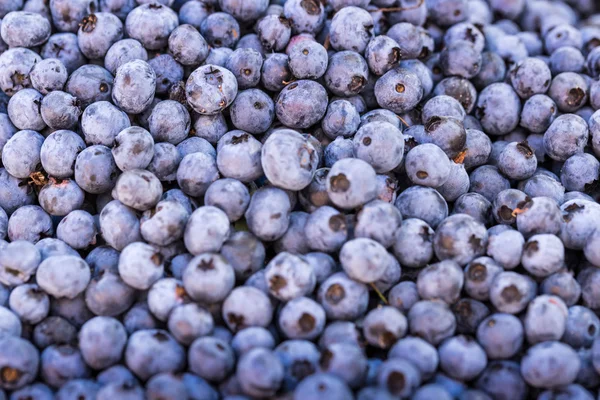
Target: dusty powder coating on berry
[
  {"x": 312, "y": 199},
  {"x": 210, "y": 89}
]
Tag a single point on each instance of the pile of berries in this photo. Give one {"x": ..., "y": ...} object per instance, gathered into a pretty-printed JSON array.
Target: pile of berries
[{"x": 299, "y": 199}]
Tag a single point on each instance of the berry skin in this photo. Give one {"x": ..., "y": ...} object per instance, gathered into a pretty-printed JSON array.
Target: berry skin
[
  {"x": 134, "y": 86},
  {"x": 301, "y": 104},
  {"x": 63, "y": 276},
  {"x": 398, "y": 90},
  {"x": 210, "y": 89},
  {"x": 208, "y": 278},
  {"x": 545, "y": 375}
]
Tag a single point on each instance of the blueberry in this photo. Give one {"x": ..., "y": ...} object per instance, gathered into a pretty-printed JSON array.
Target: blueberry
[
  {"x": 252, "y": 111},
  {"x": 48, "y": 75},
  {"x": 546, "y": 319},
  {"x": 563, "y": 285},
  {"x": 123, "y": 51},
  {"x": 530, "y": 77},
  {"x": 340, "y": 332},
  {"x": 346, "y": 361},
  {"x": 152, "y": 351},
  {"x": 400, "y": 377},
  {"x": 187, "y": 45},
  {"x": 384, "y": 326},
  {"x": 432, "y": 391},
  {"x": 351, "y": 29},
  {"x": 442, "y": 280},
  {"x": 502, "y": 378},
  {"x": 275, "y": 73},
  {"x": 460, "y": 238},
  {"x": 581, "y": 327},
  {"x": 461, "y": 58},
  {"x": 493, "y": 70},
  {"x": 89, "y": 84},
  {"x": 289, "y": 160},
  {"x": 569, "y": 91},
  {"x": 11, "y": 323},
  {"x": 127, "y": 390},
  {"x": 20, "y": 360},
  {"x": 63, "y": 47},
  {"x": 78, "y": 230},
  {"x": 347, "y": 73},
  {"x": 413, "y": 243},
  {"x": 24, "y": 110},
  {"x": 382, "y": 54},
  {"x": 432, "y": 320},
  {"x": 538, "y": 372},
  {"x": 245, "y": 64},
  {"x": 274, "y": 31},
  {"x": 164, "y": 295},
  {"x": 500, "y": 335},
  {"x": 398, "y": 90},
  {"x": 454, "y": 353},
  {"x": 16, "y": 63},
  {"x": 517, "y": 161},
  {"x": 322, "y": 384},
  {"x": 113, "y": 218},
  {"x": 209, "y": 127},
  {"x": 24, "y": 29},
  {"x": 49, "y": 247},
  {"x": 343, "y": 298},
  {"x": 380, "y": 144},
  {"x": 498, "y": 108},
  {"x": 138, "y": 189},
  {"x": 208, "y": 278},
  {"x": 289, "y": 276},
  {"x": 543, "y": 255},
  {"x": 306, "y": 16},
  {"x": 302, "y": 318},
  {"x": 210, "y": 89},
  {"x": 63, "y": 276},
  {"x": 307, "y": 60},
  {"x": 102, "y": 340},
  {"x": 95, "y": 169},
  {"x": 165, "y": 223},
  {"x": 108, "y": 295},
  {"x": 165, "y": 385},
  {"x": 60, "y": 197},
  {"x": 267, "y": 215},
  {"x": 188, "y": 322},
  {"x": 151, "y": 24},
  {"x": 59, "y": 152},
  {"x": 134, "y": 86},
  {"x": 566, "y": 59},
  {"x": 506, "y": 248},
  {"x": 410, "y": 40},
  {"x": 9, "y": 6},
  {"x": 187, "y": 177},
  {"x": 325, "y": 229},
  {"x": 169, "y": 122},
  {"x": 220, "y": 30},
  {"x": 207, "y": 229},
  {"x": 410, "y": 203},
  {"x": 427, "y": 165},
  {"x": 97, "y": 33},
  {"x": 301, "y": 104},
  {"x": 378, "y": 213},
  {"x": 572, "y": 391},
  {"x": 510, "y": 292},
  {"x": 29, "y": 223},
  {"x": 60, "y": 110},
  {"x": 237, "y": 316}
]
